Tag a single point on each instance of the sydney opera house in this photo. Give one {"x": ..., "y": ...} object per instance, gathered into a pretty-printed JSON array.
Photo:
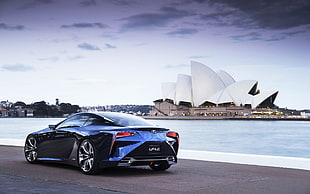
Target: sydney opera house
[{"x": 209, "y": 93}]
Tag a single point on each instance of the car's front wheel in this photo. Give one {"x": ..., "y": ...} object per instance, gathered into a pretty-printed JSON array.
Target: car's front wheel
[
  {"x": 160, "y": 166},
  {"x": 30, "y": 150},
  {"x": 87, "y": 156}
]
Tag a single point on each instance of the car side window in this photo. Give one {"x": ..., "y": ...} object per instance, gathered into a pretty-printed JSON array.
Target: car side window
[
  {"x": 75, "y": 121},
  {"x": 95, "y": 120}
]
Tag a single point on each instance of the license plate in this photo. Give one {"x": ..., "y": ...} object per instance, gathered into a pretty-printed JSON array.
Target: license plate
[{"x": 154, "y": 148}]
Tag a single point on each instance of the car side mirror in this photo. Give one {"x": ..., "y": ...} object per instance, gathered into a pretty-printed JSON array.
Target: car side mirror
[{"x": 52, "y": 127}]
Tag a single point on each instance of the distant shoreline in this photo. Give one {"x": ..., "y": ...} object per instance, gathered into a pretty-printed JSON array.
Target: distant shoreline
[
  {"x": 225, "y": 118},
  {"x": 33, "y": 117},
  {"x": 243, "y": 118}
]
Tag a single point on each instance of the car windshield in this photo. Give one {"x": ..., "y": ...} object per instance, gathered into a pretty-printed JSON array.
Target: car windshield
[
  {"x": 74, "y": 121},
  {"x": 125, "y": 119}
]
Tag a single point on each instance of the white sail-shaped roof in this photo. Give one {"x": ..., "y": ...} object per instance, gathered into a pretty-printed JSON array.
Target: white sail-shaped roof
[
  {"x": 183, "y": 89},
  {"x": 220, "y": 97},
  {"x": 168, "y": 90},
  {"x": 205, "y": 83},
  {"x": 248, "y": 100},
  {"x": 226, "y": 78},
  {"x": 259, "y": 98},
  {"x": 206, "y": 86},
  {"x": 239, "y": 91}
]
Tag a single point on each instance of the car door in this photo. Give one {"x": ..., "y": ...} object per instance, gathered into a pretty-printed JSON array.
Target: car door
[{"x": 59, "y": 142}]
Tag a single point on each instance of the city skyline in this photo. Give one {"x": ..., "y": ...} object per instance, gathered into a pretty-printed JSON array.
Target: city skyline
[{"x": 100, "y": 52}]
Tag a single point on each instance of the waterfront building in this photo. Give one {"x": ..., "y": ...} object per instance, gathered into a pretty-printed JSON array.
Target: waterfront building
[
  {"x": 209, "y": 93},
  {"x": 6, "y": 104},
  {"x": 4, "y": 112},
  {"x": 7, "y": 109}
]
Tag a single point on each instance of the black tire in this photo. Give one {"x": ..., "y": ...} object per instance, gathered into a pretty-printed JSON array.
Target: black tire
[
  {"x": 87, "y": 157},
  {"x": 30, "y": 150},
  {"x": 160, "y": 166}
]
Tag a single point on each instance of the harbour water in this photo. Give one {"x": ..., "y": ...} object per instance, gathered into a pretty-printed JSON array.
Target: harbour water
[
  {"x": 276, "y": 138},
  {"x": 271, "y": 138}
]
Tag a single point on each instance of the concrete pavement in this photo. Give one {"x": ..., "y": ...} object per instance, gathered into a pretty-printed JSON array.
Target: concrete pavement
[{"x": 188, "y": 176}]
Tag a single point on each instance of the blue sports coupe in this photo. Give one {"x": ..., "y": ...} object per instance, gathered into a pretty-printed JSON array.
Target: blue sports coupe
[{"x": 98, "y": 140}]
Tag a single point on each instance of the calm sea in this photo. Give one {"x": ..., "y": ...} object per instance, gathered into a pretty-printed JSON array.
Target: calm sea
[{"x": 277, "y": 138}]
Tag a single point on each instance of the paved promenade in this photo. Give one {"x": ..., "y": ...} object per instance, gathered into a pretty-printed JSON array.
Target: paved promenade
[{"x": 188, "y": 176}]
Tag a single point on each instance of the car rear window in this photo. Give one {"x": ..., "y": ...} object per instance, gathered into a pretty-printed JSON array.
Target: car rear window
[{"x": 126, "y": 119}]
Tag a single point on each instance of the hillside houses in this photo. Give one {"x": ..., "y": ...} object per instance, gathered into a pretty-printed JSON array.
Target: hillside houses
[{"x": 7, "y": 109}]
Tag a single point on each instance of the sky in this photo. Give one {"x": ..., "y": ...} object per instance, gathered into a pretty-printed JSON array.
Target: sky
[{"x": 104, "y": 52}]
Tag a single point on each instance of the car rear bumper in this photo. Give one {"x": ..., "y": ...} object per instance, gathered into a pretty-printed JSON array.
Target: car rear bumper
[{"x": 140, "y": 160}]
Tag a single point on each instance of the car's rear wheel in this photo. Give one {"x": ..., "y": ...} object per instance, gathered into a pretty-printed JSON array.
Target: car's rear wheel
[
  {"x": 87, "y": 156},
  {"x": 160, "y": 166},
  {"x": 30, "y": 150}
]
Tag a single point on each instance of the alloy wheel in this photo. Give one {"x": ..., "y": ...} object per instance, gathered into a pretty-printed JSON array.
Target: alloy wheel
[
  {"x": 30, "y": 150},
  {"x": 87, "y": 160}
]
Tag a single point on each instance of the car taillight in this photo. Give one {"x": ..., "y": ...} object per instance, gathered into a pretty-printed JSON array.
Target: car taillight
[
  {"x": 172, "y": 134},
  {"x": 123, "y": 134}
]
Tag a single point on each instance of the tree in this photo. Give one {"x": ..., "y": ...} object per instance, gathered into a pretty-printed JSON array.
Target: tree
[
  {"x": 20, "y": 103},
  {"x": 41, "y": 109},
  {"x": 67, "y": 108}
]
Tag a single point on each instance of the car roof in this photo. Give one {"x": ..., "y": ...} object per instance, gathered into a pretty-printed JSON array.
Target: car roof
[{"x": 122, "y": 119}]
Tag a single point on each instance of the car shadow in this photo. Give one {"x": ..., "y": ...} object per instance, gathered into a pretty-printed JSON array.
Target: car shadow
[
  {"x": 111, "y": 171},
  {"x": 130, "y": 171}
]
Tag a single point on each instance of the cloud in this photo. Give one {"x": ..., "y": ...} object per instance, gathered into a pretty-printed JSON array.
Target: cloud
[
  {"x": 176, "y": 66},
  {"x": 51, "y": 59},
  {"x": 88, "y": 3},
  {"x": 153, "y": 20},
  {"x": 123, "y": 2},
  {"x": 184, "y": 31},
  {"x": 88, "y": 81},
  {"x": 85, "y": 25},
  {"x": 276, "y": 38},
  {"x": 280, "y": 14},
  {"x": 265, "y": 14},
  {"x": 197, "y": 57},
  {"x": 228, "y": 18},
  {"x": 74, "y": 58},
  {"x": 294, "y": 32},
  {"x": 4, "y": 26},
  {"x": 17, "y": 68},
  {"x": 254, "y": 36},
  {"x": 36, "y": 3},
  {"x": 87, "y": 46},
  {"x": 109, "y": 46},
  {"x": 249, "y": 36}
]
